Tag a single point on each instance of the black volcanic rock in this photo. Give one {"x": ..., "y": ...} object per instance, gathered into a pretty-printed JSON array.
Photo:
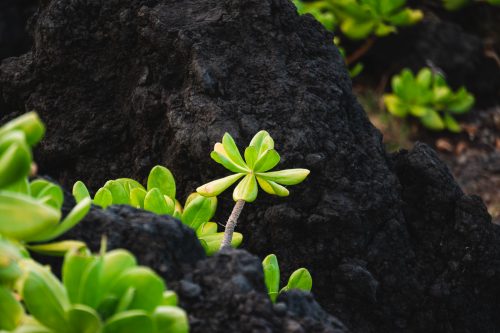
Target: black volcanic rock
[{"x": 391, "y": 241}]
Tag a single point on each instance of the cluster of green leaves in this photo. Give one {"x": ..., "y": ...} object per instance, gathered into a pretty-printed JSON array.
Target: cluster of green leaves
[
  {"x": 260, "y": 157},
  {"x": 159, "y": 197},
  {"x": 459, "y": 4},
  {"x": 428, "y": 97},
  {"x": 358, "y": 19},
  {"x": 30, "y": 211},
  {"x": 300, "y": 279},
  {"x": 106, "y": 293}
]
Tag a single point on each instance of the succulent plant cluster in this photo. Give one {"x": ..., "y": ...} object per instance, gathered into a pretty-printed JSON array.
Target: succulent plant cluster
[
  {"x": 428, "y": 97},
  {"x": 107, "y": 293},
  {"x": 300, "y": 279},
  {"x": 159, "y": 197}
]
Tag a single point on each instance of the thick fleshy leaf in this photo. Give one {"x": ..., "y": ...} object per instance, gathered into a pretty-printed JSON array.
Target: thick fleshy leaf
[
  {"x": 406, "y": 17},
  {"x": 232, "y": 150},
  {"x": 89, "y": 291},
  {"x": 251, "y": 156},
  {"x": 137, "y": 196},
  {"x": 120, "y": 195},
  {"x": 178, "y": 210},
  {"x": 218, "y": 186},
  {"x": 357, "y": 29},
  {"x": 22, "y": 187},
  {"x": 75, "y": 264},
  {"x": 267, "y": 161},
  {"x": 169, "y": 298},
  {"x": 170, "y": 319},
  {"x": 116, "y": 263},
  {"x": 15, "y": 164},
  {"x": 149, "y": 288},
  {"x": 432, "y": 121},
  {"x": 125, "y": 300},
  {"x": 156, "y": 202},
  {"x": 80, "y": 191},
  {"x": 11, "y": 311},
  {"x": 227, "y": 163},
  {"x": 199, "y": 210},
  {"x": 44, "y": 296},
  {"x": 271, "y": 276},
  {"x": 83, "y": 319},
  {"x": 395, "y": 106},
  {"x": 22, "y": 217},
  {"x": 208, "y": 228},
  {"x": 260, "y": 142},
  {"x": 9, "y": 258},
  {"x": 419, "y": 110},
  {"x": 30, "y": 124},
  {"x": 461, "y": 103},
  {"x": 73, "y": 218},
  {"x": 300, "y": 279},
  {"x": 161, "y": 178},
  {"x": 424, "y": 78},
  {"x": 272, "y": 188},
  {"x": 57, "y": 248},
  {"x": 130, "y": 184},
  {"x": 132, "y": 321},
  {"x": 246, "y": 189},
  {"x": 50, "y": 194},
  {"x": 286, "y": 177},
  {"x": 382, "y": 30},
  {"x": 103, "y": 198},
  {"x": 211, "y": 243},
  {"x": 451, "y": 124}
]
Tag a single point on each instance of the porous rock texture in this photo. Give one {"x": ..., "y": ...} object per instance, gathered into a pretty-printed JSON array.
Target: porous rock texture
[
  {"x": 391, "y": 241},
  {"x": 14, "y": 38}
]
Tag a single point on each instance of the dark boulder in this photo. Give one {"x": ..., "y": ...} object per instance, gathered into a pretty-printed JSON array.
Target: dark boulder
[
  {"x": 391, "y": 241},
  {"x": 14, "y": 37},
  {"x": 226, "y": 293}
]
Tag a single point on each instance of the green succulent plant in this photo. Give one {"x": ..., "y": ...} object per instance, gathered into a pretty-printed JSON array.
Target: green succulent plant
[
  {"x": 105, "y": 293},
  {"x": 359, "y": 19},
  {"x": 11, "y": 310},
  {"x": 300, "y": 279},
  {"x": 30, "y": 212},
  {"x": 428, "y": 97},
  {"x": 459, "y": 4},
  {"x": 260, "y": 158},
  {"x": 159, "y": 197}
]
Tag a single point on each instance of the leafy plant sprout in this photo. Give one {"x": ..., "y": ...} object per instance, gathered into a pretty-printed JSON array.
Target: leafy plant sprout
[{"x": 260, "y": 157}]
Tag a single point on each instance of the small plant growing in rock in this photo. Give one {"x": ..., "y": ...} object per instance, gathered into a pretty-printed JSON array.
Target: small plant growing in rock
[
  {"x": 159, "y": 197},
  {"x": 300, "y": 279},
  {"x": 30, "y": 212},
  {"x": 428, "y": 97},
  {"x": 260, "y": 157}
]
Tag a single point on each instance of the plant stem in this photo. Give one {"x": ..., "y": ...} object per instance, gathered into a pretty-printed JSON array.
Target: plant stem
[
  {"x": 231, "y": 224},
  {"x": 367, "y": 45}
]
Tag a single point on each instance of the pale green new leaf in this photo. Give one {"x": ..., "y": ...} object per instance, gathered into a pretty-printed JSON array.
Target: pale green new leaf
[
  {"x": 170, "y": 319},
  {"x": 218, "y": 186},
  {"x": 271, "y": 276},
  {"x": 246, "y": 189},
  {"x": 300, "y": 279},
  {"x": 103, "y": 198},
  {"x": 286, "y": 177},
  {"x": 161, "y": 178},
  {"x": 80, "y": 191}
]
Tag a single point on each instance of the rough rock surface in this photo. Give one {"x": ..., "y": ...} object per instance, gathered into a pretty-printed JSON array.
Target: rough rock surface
[
  {"x": 391, "y": 241},
  {"x": 226, "y": 293},
  {"x": 14, "y": 14}
]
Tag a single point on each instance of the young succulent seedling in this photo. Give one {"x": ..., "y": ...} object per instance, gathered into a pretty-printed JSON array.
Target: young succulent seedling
[
  {"x": 260, "y": 157},
  {"x": 300, "y": 279},
  {"x": 159, "y": 198},
  {"x": 459, "y": 4},
  {"x": 31, "y": 211},
  {"x": 428, "y": 97},
  {"x": 105, "y": 293}
]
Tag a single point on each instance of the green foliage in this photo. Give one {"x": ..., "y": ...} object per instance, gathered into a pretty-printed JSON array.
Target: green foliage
[
  {"x": 459, "y": 4},
  {"x": 359, "y": 19},
  {"x": 260, "y": 157},
  {"x": 104, "y": 293},
  {"x": 31, "y": 211},
  {"x": 428, "y": 97},
  {"x": 300, "y": 279},
  {"x": 159, "y": 198}
]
